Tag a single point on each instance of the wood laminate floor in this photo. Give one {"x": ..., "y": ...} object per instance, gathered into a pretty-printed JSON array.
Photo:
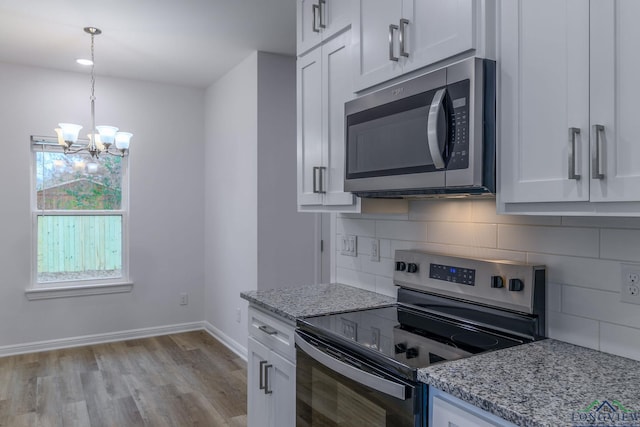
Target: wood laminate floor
[{"x": 187, "y": 379}]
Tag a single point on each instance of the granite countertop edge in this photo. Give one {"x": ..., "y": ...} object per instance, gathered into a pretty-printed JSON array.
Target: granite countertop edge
[
  {"x": 314, "y": 300},
  {"x": 532, "y": 385}
]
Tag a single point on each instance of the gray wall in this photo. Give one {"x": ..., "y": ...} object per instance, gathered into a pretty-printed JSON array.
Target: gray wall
[{"x": 167, "y": 209}]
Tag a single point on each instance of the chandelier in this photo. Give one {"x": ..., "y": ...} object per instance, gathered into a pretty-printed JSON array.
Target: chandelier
[{"x": 102, "y": 139}]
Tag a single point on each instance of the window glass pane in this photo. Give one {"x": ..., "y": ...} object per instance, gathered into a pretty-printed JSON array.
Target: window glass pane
[
  {"x": 78, "y": 182},
  {"x": 74, "y": 247}
]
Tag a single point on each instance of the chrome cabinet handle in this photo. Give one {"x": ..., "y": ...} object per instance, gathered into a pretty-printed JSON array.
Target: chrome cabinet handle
[
  {"x": 314, "y": 11},
  {"x": 392, "y": 28},
  {"x": 402, "y": 36},
  {"x": 266, "y": 379},
  {"x": 321, "y": 4},
  {"x": 572, "y": 153},
  {"x": 268, "y": 330},
  {"x": 433, "y": 138},
  {"x": 596, "y": 166},
  {"x": 262, "y": 382},
  {"x": 318, "y": 175}
]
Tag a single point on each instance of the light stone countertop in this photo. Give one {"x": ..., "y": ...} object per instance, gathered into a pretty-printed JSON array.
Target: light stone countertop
[
  {"x": 313, "y": 300},
  {"x": 545, "y": 383}
]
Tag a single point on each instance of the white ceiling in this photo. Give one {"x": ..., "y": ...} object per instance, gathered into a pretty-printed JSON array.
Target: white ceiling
[{"x": 188, "y": 42}]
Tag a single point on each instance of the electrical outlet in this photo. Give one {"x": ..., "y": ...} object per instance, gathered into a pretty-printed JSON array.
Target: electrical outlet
[
  {"x": 184, "y": 298},
  {"x": 349, "y": 245},
  {"x": 375, "y": 250},
  {"x": 238, "y": 315},
  {"x": 630, "y": 283}
]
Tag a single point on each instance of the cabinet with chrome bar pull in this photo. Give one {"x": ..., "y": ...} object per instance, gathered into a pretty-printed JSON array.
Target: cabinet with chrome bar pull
[
  {"x": 393, "y": 37},
  {"x": 271, "y": 372},
  {"x": 568, "y": 107},
  {"x": 319, "y": 20},
  {"x": 324, "y": 85}
]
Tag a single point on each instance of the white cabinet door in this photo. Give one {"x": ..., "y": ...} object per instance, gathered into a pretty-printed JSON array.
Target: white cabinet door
[
  {"x": 319, "y": 20},
  {"x": 615, "y": 67},
  {"x": 282, "y": 384},
  {"x": 337, "y": 88},
  {"x": 447, "y": 415},
  {"x": 372, "y": 42},
  {"x": 437, "y": 30},
  {"x": 257, "y": 402},
  {"x": 309, "y": 96},
  {"x": 543, "y": 94}
]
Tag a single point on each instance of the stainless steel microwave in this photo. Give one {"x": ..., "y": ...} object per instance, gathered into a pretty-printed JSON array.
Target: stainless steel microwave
[{"x": 433, "y": 135}]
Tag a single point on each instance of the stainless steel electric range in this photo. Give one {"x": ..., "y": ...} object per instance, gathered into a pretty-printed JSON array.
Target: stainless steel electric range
[{"x": 360, "y": 368}]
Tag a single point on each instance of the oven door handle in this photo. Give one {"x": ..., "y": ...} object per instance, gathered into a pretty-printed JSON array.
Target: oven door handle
[{"x": 393, "y": 389}]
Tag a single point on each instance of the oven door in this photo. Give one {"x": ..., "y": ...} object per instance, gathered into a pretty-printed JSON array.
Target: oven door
[{"x": 335, "y": 389}]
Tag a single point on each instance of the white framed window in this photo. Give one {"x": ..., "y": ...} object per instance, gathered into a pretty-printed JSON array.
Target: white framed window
[{"x": 80, "y": 222}]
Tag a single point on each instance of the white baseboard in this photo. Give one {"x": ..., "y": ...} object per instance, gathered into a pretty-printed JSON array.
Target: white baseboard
[
  {"x": 34, "y": 347},
  {"x": 230, "y": 343}
]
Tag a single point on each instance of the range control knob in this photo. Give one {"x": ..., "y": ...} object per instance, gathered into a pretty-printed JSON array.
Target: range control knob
[
  {"x": 401, "y": 266},
  {"x": 401, "y": 347},
  {"x": 412, "y": 353},
  {"x": 497, "y": 282},
  {"x": 412, "y": 268},
  {"x": 516, "y": 285}
]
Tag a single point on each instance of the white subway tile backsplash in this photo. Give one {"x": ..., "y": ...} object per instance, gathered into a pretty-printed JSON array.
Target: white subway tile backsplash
[
  {"x": 361, "y": 227},
  {"x": 476, "y": 235},
  {"x": 584, "y": 272},
  {"x": 350, "y": 262},
  {"x": 356, "y": 278},
  {"x": 601, "y": 222},
  {"x": 441, "y": 210},
  {"x": 554, "y": 297},
  {"x": 485, "y": 211},
  {"x": 402, "y": 230},
  {"x": 620, "y": 244},
  {"x": 582, "y": 256},
  {"x": 385, "y": 286},
  {"x": 620, "y": 340},
  {"x": 382, "y": 268},
  {"x": 575, "y": 330},
  {"x": 550, "y": 240},
  {"x": 599, "y": 305}
]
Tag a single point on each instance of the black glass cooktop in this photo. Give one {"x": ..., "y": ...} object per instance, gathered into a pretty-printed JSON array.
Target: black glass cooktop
[{"x": 406, "y": 336}]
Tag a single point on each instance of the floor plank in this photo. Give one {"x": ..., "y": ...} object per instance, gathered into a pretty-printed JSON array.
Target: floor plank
[{"x": 187, "y": 379}]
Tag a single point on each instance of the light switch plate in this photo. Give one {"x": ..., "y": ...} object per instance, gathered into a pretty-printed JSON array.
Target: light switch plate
[
  {"x": 374, "y": 253},
  {"x": 349, "y": 245}
]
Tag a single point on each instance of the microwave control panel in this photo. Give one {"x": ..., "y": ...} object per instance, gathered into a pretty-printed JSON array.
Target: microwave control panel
[{"x": 459, "y": 125}]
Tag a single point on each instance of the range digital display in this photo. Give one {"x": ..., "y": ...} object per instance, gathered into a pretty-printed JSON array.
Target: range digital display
[{"x": 449, "y": 273}]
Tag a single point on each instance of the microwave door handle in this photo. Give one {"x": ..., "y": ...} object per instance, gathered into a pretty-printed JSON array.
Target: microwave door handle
[
  {"x": 375, "y": 382},
  {"x": 433, "y": 137}
]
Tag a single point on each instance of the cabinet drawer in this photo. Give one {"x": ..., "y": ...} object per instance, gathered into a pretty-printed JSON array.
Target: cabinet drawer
[{"x": 272, "y": 332}]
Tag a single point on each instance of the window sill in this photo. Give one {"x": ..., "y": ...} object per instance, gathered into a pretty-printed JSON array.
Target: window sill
[{"x": 50, "y": 292}]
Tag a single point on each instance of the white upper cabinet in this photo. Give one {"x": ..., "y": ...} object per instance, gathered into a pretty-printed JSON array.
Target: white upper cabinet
[
  {"x": 615, "y": 90},
  {"x": 393, "y": 37},
  {"x": 318, "y": 20},
  {"x": 544, "y": 100},
  {"x": 324, "y": 85},
  {"x": 567, "y": 107}
]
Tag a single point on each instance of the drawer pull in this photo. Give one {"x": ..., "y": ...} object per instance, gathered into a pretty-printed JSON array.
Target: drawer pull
[{"x": 268, "y": 330}]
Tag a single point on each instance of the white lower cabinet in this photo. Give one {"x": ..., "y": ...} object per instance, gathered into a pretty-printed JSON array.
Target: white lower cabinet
[
  {"x": 271, "y": 372},
  {"x": 448, "y": 411}
]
